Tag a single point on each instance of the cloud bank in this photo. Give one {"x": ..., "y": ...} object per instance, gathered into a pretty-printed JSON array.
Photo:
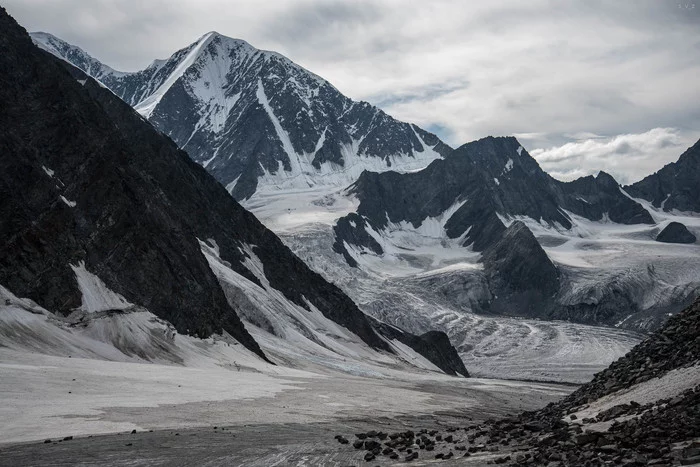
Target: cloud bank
[
  {"x": 557, "y": 74},
  {"x": 628, "y": 157}
]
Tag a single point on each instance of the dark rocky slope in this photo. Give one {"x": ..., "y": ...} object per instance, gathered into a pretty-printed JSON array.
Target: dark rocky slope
[
  {"x": 663, "y": 432},
  {"x": 519, "y": 272},
  {"x": 675, "y": 186},
  {"x": 645, "y": 438},
  {"x": 675, "y": 232},
  {"x": 126, "y": 182},
  {"x": 675, "y": 345},
  {"x": 433, "y": 345}
]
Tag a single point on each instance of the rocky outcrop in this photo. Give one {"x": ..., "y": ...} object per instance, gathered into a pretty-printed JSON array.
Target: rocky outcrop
[
  {"x": 675, "y": 186},
  {"x": 520, "y": 274},
  {"x": 353, "y": 229},
  {"x": 433, "y": 345},
  {"x": 675, "y": 232}
]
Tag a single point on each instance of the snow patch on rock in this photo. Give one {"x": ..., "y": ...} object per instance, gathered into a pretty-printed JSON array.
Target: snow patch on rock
[{"x": 96, "y": 295}]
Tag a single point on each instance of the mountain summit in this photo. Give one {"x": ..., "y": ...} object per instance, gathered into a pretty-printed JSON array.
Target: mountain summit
[{"x": 255, "y": 119}]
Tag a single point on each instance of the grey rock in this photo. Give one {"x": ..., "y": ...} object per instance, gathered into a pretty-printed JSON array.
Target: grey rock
[
  {"x": 675, "y": 186},
  {"x": 675, "y": 232}
]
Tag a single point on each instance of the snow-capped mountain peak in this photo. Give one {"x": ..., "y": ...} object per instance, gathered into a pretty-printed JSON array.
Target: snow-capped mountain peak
[{"x": 258, "y": 121}]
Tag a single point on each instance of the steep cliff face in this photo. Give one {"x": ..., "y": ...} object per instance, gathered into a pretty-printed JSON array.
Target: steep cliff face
[
  {"x": 675, "y": 232},
  {"x": 520, "y": 274}
]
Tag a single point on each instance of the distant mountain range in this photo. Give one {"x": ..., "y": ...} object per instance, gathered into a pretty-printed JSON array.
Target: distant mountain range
[
  {"x": 490, "y": 196},
  {"x": 531, "y": 245}
]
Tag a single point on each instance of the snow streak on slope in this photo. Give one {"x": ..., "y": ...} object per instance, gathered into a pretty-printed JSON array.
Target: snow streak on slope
[
  {"x": 96, "y": 295},
  {"x": 296, "y": 166},
  {"x": 146, "y": 106}
]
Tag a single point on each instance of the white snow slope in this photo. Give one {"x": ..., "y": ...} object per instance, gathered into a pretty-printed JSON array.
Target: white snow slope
[{"x": 117, "y": 370}]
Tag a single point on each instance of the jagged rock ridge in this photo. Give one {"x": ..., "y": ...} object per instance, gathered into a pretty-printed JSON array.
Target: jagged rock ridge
[
  {"x": 477, "y": 192},
  {"x": 675, "y": 186}
]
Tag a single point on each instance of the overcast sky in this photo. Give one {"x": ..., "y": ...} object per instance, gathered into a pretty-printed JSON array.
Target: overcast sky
[{"x": 585, "y": 86}]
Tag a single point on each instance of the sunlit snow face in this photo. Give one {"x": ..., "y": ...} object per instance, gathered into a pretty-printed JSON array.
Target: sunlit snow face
[{"x": 464, "y": 72}]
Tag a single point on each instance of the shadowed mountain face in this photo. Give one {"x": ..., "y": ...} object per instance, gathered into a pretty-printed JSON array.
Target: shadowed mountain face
[
  {"x": 80, "y": 186},
  {"x": 519, "y": 272},
  {"x": 675, "y": 186},
  {"x": 86, "y": 184},
  {"x": 675, "y": 232},
  {"x": 255, "y": 119}
]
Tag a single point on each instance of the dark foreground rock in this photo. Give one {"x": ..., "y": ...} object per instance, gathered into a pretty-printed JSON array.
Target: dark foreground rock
[{"x": 662, "y": 432}]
